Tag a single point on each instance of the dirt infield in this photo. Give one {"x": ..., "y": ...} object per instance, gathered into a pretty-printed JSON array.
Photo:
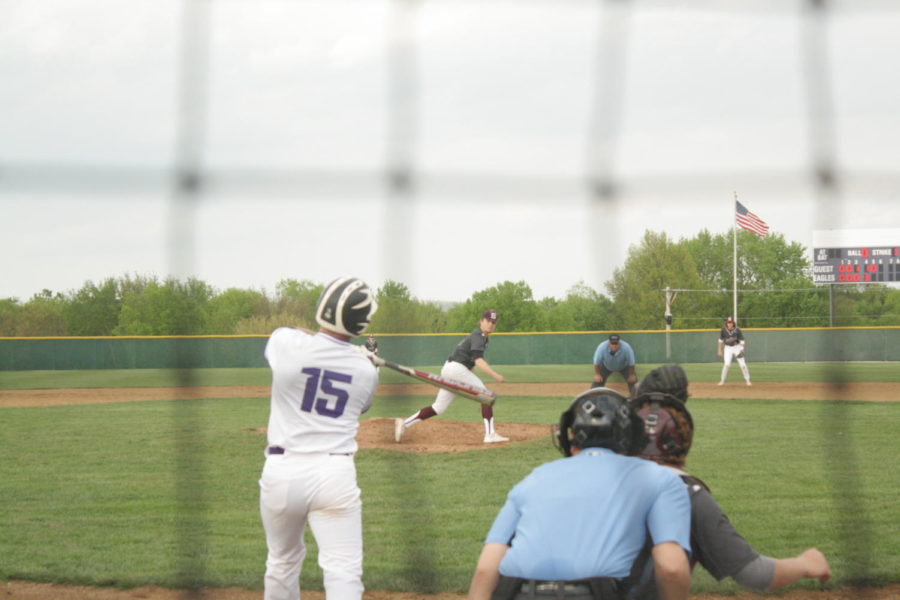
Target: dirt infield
[
  {"x": 19, "y": 590},
  {"x": 439, "y": 435},
  {"x": 866, "y": 391}
]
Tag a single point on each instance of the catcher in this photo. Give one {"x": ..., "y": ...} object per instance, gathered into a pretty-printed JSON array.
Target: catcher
[{"x": 715, "y": 544}]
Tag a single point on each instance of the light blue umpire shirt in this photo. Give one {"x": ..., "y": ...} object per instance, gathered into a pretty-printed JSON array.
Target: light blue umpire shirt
[
  {"x": 624, "y": 356},
  {"x": 588, "y": 515}
]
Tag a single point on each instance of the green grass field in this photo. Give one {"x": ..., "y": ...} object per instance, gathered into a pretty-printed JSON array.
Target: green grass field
[
  {"x": 166, "y": 492},
  {"x": 11, "y": 380}
]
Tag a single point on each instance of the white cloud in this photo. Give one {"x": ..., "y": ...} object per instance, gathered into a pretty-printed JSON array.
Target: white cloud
[{"x": 714, "y": 102}]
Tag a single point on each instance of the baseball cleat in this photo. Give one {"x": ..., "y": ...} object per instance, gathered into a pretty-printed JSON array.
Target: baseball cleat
[
  {"x": 398, "y": 430},
  {"x": 721, "y": 383},
  {"x": 749, "y": 384},
  {"x": 494, "y": 438}
]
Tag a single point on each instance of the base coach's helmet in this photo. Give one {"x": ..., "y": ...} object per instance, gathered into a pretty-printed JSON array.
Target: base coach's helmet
[
  {"x": 346, "y": 306},
  {"x": 668, "y": 428},
  {"x": 600, "y": 418}
]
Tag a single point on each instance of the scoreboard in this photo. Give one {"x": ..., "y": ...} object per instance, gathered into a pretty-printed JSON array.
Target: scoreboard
[{"x": 859, "y": 264}]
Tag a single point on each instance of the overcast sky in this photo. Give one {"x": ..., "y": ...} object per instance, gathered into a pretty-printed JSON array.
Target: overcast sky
[{"x": 296, "y": 136}]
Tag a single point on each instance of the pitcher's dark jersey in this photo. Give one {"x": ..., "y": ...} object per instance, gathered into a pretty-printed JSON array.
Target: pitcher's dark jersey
[{"x": 470, "y": 348}]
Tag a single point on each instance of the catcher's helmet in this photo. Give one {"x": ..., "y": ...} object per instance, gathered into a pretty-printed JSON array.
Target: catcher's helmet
[
  {"x": 668, "y": 427},
  {"x": 729, "y": 320},
  {"x": 668, "y": 379},
  {"x": 600, "y": 418},
  {"x": 346, "y": 306}
]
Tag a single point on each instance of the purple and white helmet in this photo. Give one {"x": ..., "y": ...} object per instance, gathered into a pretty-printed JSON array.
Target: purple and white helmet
[{"x": 346, "y": 306}]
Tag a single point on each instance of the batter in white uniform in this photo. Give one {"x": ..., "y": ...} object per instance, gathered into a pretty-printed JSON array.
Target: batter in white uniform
[
  {"x": 321, "y": 384},
  {"x": 731, "y": 346}
]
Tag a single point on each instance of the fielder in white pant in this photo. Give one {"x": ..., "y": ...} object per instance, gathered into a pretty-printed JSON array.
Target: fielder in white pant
[
  {"x": 321, "y": 384},
  {"x": 731, "y": 346}
]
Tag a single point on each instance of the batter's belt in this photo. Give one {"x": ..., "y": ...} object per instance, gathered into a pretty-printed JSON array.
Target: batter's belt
[{"x": 595, "y": 588}]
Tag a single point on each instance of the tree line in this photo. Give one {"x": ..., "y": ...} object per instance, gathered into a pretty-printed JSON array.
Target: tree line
[{"x": 773, "y": 279}]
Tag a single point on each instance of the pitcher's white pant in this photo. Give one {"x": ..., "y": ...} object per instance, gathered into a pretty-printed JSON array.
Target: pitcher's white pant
[
  {"x": 458, "y": 372},
  {"x": 730, "y": 353},
  {"x": 320, "y": 489}
]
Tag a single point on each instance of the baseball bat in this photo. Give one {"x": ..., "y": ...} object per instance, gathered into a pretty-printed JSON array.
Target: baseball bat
[{"x": 457, "y": 387}]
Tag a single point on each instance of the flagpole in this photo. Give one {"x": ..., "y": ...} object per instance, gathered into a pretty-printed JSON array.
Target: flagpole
[{"x": 734, "y": 259}]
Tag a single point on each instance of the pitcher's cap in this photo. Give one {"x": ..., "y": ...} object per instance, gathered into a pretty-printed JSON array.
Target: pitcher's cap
[{"x": 490, "y": 315}]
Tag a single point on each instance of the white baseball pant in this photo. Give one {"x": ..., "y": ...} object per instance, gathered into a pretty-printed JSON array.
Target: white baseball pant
[
  {"x": 731, "y": 353},
  {"x": 458, "y": 372},
  {"x": 321, "y": 489}
]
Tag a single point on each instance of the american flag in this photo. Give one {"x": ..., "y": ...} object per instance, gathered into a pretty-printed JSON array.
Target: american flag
[{"x": 749, "y": 221}]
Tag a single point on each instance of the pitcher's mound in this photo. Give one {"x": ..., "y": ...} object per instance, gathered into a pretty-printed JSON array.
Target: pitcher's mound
[{"x": 441, "y": 435}]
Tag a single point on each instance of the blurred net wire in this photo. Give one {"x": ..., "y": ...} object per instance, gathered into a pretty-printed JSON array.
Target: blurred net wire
[{"x": 399, "y": 143}]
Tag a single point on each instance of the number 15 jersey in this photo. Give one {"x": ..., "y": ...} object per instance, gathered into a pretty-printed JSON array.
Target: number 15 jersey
[{"x": 320, "y": 387}]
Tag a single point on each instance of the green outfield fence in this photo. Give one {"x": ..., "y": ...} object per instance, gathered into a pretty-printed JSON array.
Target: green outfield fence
[{"x": 683, "y": 346}]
